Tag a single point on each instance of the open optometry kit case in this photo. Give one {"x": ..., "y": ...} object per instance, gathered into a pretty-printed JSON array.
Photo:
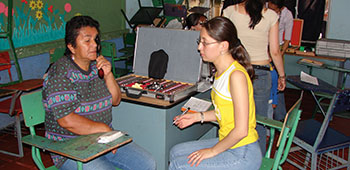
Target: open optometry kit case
[{"x": 169, "y": 76}]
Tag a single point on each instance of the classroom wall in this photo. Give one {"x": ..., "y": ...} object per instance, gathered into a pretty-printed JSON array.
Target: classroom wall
[
  {"x": 338, "y": 23},
  {"x": 34, "y": 67},
  {"x": 34, "y": 64},
  {"x": 38, "y": 22}
]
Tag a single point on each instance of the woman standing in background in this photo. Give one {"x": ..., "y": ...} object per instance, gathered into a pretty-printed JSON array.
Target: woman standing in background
[{"x": 257, "y": 28}]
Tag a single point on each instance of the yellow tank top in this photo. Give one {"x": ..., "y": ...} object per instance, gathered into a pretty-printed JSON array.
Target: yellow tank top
[{"x": 221, "y": 98}]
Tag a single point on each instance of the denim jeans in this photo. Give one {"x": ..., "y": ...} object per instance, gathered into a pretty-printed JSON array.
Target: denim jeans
[
  {"x": 280, "y": 111},
  {"x": 245, "y": 157},
  {"x": 128, "y": 157},
  {"x": 262, "y": 88}
]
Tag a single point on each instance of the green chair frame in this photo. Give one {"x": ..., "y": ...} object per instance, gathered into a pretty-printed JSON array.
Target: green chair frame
[
  {"x": 8, "y": 35},
  {"x": 34, "y": 114},
  {"x": 287, "y": 131},
  {"x": 128, "y": 50}
]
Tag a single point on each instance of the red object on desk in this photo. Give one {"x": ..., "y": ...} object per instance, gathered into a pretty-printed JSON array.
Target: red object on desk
[{"x": 297, "y": 32}]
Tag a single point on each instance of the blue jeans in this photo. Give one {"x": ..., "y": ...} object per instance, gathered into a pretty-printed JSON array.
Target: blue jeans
[
  {"x": 245, "y": 157},
  {"x": 262, "y": 88},
  {"x": 128, "y": 157},
  {"x": 280, "y": 110}
]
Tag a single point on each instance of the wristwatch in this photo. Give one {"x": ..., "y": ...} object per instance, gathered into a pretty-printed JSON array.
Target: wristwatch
[{"x": 202, "y": 117}]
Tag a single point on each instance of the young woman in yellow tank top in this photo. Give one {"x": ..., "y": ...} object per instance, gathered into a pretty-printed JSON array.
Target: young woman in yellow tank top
[{"x": 232, "y": 96}]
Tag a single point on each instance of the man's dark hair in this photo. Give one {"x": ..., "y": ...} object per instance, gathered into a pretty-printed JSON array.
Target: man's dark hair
[
  {"x": 279, "y": 3},
  {"x": 73, "y": 27},
  {"x": 193, "y": 20}
]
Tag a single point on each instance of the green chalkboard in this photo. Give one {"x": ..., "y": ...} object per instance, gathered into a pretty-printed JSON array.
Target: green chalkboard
[{"x": 42, "y": 21}]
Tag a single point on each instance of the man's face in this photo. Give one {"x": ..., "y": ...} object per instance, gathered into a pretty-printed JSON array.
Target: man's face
[{"x": 274, "y": 7}]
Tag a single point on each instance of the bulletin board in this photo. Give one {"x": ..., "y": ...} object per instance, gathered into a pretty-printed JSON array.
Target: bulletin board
[
  {"x": 297, "y": 32},
  {"x": 41, "y": 21}
]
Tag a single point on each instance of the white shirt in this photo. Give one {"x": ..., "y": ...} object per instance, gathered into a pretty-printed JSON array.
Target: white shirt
[{"x": 285, "y": 25}]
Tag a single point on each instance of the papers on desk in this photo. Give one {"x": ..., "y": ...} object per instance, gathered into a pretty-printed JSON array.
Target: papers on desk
[
  {"x": 109, "y": 136},
  {"x": 196, "y": 105},
  {"x": 308, "y": 78}
]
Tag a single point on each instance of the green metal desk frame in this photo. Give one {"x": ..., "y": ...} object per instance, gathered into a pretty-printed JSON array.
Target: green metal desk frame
[{"x": 8, "y": 35}]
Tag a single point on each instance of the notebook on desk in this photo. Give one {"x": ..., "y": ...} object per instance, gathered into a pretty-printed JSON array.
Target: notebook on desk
[{"x": 196, "y": 105}]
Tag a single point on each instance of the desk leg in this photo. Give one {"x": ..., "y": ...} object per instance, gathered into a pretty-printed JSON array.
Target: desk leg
[
  {"x": 13, "y": 101},
  {"x": 310, "y": 69},
  {"x": 80, "y": 165},
  {"x": 19, "y": 135},
  {"x": 344, "y": 80},
  {"x": 17, "y": 126},
  {"x": 318, "y": 104}
]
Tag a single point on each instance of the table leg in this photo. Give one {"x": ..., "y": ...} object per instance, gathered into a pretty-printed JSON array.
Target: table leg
[
  {"x": 318, "y": 104},
  {"x": 17, "y": 126},
  {"x": 13, "y": 101},
  {"x": 344, "y": 80}
]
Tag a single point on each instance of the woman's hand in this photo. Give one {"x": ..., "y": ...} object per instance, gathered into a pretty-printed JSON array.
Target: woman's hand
[
  {"x": 185, "y": 120},
  {"x": 281, "y": 83},
  {"x": 198, "y": 156},
  {"x": 103, "y": 63}
]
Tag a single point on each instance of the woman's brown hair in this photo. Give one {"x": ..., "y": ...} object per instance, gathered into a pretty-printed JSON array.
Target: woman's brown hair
[{"x": 222, "y": 29}]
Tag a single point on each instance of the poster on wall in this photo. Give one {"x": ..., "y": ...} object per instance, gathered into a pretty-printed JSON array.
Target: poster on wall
[{"x": 40, "y": 21}]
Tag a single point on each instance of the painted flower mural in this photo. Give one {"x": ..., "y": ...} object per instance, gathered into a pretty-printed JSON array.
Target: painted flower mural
[{"x": 34, "y": 21}]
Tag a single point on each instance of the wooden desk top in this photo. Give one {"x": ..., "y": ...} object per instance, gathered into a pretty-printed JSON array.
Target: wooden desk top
[
  {"x": 148, "y": 101},
  {"x": 6, "y": 92},
  {"x": 322, "y": 87},
  {"x": 82, "y": 148},
  {"x": 26, "y": 85},
  {"x": 316, "y": 56}
]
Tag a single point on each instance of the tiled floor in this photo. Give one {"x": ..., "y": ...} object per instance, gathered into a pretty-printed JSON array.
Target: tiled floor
[{"x": 8, "y": 141}]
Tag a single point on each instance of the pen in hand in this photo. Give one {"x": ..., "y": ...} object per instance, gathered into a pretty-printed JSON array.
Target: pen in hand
[{"x": 188, "y": 108}]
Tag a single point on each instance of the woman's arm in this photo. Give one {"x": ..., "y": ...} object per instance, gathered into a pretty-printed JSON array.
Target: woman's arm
[
  {"x": 82, "y": 126},
  {"x": 110, "y": 81},
  {"x": 113, "y": 88},
  {"x": 240, "y": 100},
  {"x": 190, "y": 118},
  {"x": 276, "y": 56}
]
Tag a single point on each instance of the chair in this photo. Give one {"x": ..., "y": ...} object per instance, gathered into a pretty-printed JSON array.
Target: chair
[
  {"x": 34, "y": 114},
  {"x": 144, "y": 16},
  {"x": 12, "y": 107},
  {"x": 108, "y": 49},
  {"x": 5, "y": 63},
  {"x": 8, "y": 35},
  {"x": 287, "y": 130},
  {"x": 56, "y": 53},
  {"x": 172, "y": 10},
  {"x": 319, "y": 146},
  {"x": 128, "y": 50}
]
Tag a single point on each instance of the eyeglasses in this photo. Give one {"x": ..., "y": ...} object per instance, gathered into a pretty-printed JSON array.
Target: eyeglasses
[
  {"x": 202, "y": 22},
  {"x": 205, "y": 43}
]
